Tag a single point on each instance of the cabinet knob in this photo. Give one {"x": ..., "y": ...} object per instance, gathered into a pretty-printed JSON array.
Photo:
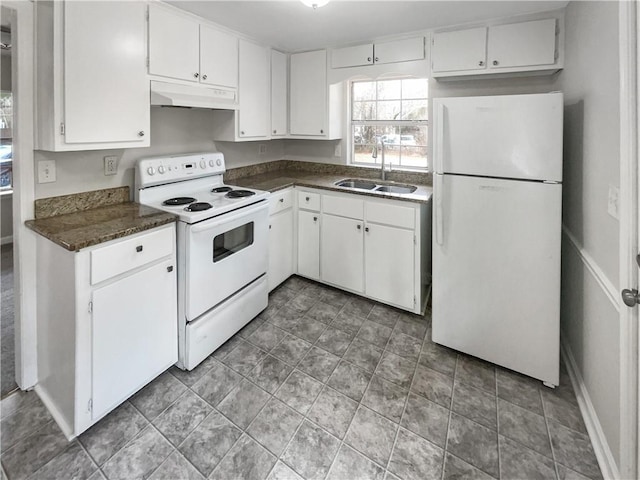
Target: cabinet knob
[
  {"x": 481, "y": 63},
  {"x": 376, "y": 59},
  {"x": 368, "y": 59},
  {"x": 269, "y": 227},
  {"x": 204, "y": 77},
  {"x": 170, "y": 269},
  {"x": 241, "y": 132},
  {"x": 141, "y": 133},
  {"x": 321, "y": 131},
  {"x": 139, "y": 248},
  {"x": 315, "y": 219},
  {"x": 359, "y": 226},
  {"x": 366, "y": 229},
  {"x": 196, "y": 75},
  {"x": 274, "y": 132},
  {"x": 307, "y": 199},
  {"x": 495, "y": 62},
  {"x": 282, "y": 200}
]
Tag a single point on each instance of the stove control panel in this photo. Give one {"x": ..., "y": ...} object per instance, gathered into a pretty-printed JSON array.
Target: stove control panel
[{"x": 159, "y": 170}]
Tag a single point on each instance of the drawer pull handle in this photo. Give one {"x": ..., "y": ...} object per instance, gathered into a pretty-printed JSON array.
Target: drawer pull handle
[
  {"x": 170, "y": 269},
  {"x": 139, "y": 248}
]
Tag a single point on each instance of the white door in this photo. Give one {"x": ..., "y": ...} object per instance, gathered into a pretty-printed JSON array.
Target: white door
[
  {"x": 389, "y": 264},
  {"x": 174, "y": 45},
  {"x": 459, "y": 50},
  {"x": 254, "y": 90},
  {"x": 309, "y": 244},
  {"x": 522, "y": 44},
  {"x": 342, "y": 252},
  {"x": 218, "y": 57},
  {"x": 508, "y": 136},
  {"x": 279, "y": 107},
  {"x": 280, "y": 247},
  {"x": 308, "y": 93},
  {"x": 496, "y": 271},
  {"x": 106, "y": 88},
  {"x": 399, "y": 50},
  {"x": 134, "y": 334}
]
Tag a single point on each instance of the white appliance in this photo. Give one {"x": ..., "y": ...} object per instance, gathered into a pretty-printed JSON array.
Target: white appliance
[
  {"x": 497, "y": 227},
  {"x": 222, "y": 248}
]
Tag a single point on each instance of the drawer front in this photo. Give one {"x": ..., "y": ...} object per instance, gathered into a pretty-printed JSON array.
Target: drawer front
[
  {"x": 279, "y": 201},
  {"x": 390, "y": 214},
  {"x": 343, "y": 206},
  {"x": 309, "y": 201},
  {"x": 112, "y": 260}
]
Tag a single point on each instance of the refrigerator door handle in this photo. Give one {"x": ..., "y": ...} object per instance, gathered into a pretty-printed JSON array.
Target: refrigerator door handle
[
  {"x": 439, "y": 135},
  {"x": 438, "y": 214}
]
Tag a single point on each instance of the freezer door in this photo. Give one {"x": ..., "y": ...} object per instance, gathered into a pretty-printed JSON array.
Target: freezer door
[
  {"x": 509, "y": 136},
  {"x": 496, "y": 271}
]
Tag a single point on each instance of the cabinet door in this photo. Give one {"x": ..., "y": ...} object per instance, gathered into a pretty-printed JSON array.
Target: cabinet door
[
  {"x": 174, "y": 45},
  {"x": 459, "y": 50},
  {"x": 352, "y": 56},
  {"x": 278, "y": 93},
  {"x": 218, "y": 57},
  {"x": 308, "y": 93},
  {"x": 280, "y": 248},
  {"x": 342, "y": 252},
  {"x": 523, "y": 44},
  {"x": 389, "y": 264},
  {"x": 399, "y": 50},
  {"x": 134, "y": 334},
  {"x": 254, "y": 90},
  {"x": 309, "y": 244},
  {"x": 106, "y": 89}
]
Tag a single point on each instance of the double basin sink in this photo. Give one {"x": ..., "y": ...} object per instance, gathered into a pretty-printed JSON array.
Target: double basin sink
[{"x": 359, "y": 184}]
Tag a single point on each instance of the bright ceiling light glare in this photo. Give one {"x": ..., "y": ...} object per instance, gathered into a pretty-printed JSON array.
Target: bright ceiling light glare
[{"x": 315, "y": 3}]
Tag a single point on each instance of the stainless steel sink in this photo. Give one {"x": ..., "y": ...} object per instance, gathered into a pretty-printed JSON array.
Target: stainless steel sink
[
  {"x": 355, "y": 183},
  {"x": 396, "y": 188}
]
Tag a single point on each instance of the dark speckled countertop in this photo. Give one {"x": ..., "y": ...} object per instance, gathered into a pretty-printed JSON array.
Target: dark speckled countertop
[
  {"x": 279, "y": 179},
  {"x": 86, "y": 226}
]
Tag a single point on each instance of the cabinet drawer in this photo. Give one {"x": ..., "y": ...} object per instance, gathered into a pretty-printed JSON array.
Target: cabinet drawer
[
  {"x": 279, "y": 201},
  {"x": 309, "y": 201},
  {"x": 388, "y": 214},
  {"x": 107, "y": 262},
  {"x": 343, "y": 206}
]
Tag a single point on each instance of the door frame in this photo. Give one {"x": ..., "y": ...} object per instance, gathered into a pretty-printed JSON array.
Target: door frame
[
  {"x": 22, "y": 79},
  {"x": 629, "y": 17}
]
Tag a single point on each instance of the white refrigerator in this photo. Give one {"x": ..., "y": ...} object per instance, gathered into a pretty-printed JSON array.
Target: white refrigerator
[{"x": 496, "y": 229}]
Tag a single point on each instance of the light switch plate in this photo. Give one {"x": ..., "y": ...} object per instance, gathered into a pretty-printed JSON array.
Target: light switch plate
[
  {"x": 337, "y": 151},
  {"x": 613, "y": 203},
  {"x": 46, "y": 171}
]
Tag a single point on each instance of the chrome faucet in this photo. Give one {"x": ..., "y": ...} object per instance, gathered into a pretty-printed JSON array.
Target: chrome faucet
[{"x": 374, "y": 155}]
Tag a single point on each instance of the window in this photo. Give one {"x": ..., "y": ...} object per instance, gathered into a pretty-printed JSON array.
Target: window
[
  {"x": 6, "y": 124},
  {"x": 393, "y": 112}
]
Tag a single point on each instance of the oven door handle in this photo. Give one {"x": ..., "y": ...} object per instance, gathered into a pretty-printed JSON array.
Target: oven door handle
[{"x": 230, "y": 217}]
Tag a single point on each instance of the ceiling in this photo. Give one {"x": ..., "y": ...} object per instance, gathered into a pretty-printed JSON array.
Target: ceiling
[{"x": 290, "y": 26}]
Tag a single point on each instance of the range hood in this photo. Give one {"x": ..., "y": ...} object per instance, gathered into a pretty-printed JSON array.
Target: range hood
[{"x": 194, "y": 96}]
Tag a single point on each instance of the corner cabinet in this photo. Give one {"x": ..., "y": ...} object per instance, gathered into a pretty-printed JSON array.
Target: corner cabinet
[
  {"x": 532, "y": 48},
  {"x": 315, "y": 108},
  {"x": 107, "y": 323},
  {"x": 92, "y": 84}
]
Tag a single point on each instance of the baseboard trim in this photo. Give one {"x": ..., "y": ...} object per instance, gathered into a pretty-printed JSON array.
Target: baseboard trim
[
  {"x": 55, "y": 413},
  {"x": 6, "y": 240},
  {"x": 594, "y": 269},
  {"x": 603, "y": 453}
]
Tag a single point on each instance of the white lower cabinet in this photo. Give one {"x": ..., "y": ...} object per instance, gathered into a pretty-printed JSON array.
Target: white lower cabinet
[
  {"x": 104, "y": 332},
  {"x": 342, "y": 252},
  {"x": 309, "y": 244},
  {"x": 281, "y": 245}
]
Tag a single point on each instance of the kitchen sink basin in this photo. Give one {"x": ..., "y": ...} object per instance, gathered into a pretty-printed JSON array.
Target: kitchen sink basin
[
  {"x": 396, "y": 188},
  {"x": 354, "y": 183}
]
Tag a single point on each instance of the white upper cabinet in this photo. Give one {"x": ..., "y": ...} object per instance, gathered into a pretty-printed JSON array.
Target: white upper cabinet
[
  {"x": 279, "y": 85},
  {"x": 254, "y": 90},
  {"x": 315, "y": 106},
  {"x": 91, "y": 76},
  {"x": 460, "y": 50},
  {"x": 532, "y": 47},
  {"x": 218, "y": 57},
  {"x": 174, "y": 44},
  {"x": 386, "y": 52}
]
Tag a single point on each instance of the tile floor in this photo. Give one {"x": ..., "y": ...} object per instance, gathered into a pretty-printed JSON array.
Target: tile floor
[{"x": 321, "y": 385}]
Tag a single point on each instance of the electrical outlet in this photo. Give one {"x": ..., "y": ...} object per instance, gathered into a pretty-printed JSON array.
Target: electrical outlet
[
  {"x": 262, "y": 149},
  {"x": 337, "y": 151},
  {"x": 110, "y": 165},
  {"x": 613, "y": 202},
  {"x": 46, "y": 171}
]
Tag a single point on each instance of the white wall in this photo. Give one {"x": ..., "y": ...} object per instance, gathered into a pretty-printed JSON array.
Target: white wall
[{"x": 590, "y": 321}]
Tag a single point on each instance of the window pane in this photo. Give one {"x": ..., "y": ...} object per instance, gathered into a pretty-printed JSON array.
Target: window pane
[
  {"x": 389, "y": 110},
  {"x": 415, "y": 88},
  {"x": 413, "y": 136},
  {"x": 364, "y": 111},
  {"x": 389, "y": 90},
  {"x": 415, "y": 109},
  {"x": 364, "y": 91},
  {"x": 413, "y": 156}
]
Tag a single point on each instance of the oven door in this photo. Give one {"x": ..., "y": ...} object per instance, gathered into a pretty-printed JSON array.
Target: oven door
[{"x": 224, "y": 254}]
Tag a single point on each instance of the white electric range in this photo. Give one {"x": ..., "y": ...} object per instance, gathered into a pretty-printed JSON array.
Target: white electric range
[{"x": 222, "y": 247}]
